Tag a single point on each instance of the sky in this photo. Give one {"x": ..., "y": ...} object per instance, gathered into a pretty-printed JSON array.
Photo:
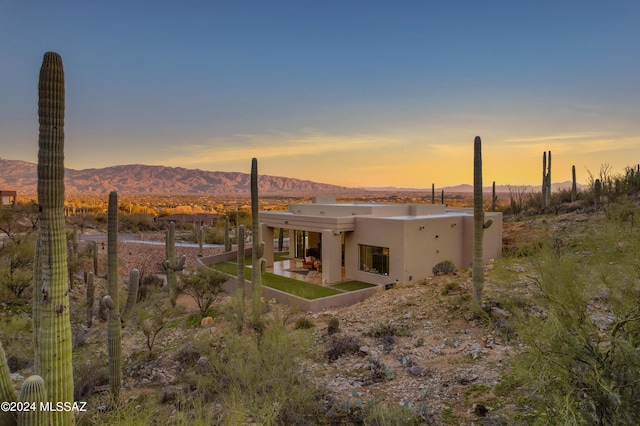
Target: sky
[{"x": 353, "y": 93}]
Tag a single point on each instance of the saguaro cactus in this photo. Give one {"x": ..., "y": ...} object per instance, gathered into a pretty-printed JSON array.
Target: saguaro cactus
[
  {"x": 90, "y": 298},
  {"x": 546, "y": 180},
  {"x": 597, "y": 190},
  {"x": 33, "y": 391},
  {"x": 227, "y": 240},
  {"x": 52, "y": 328},
  {"x": 574, "y": 186},
  {"x": 478, "y": 223},
  {"x": 240, "y": 275},
  {"x": 257, "y": 244},
  {"x": 111, "y": 300},
  {"x": 132, "y": 294},
  {"x": 7, "y": 392},
  {"x": 172, "y": 264}
]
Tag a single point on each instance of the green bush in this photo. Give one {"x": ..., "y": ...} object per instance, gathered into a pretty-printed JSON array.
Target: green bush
[
  {"x": 581, "y": 364},
  {"x": 303, "y": 324}
]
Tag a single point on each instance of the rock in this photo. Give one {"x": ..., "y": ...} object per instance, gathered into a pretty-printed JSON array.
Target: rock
[
  {"x": 500, "y": 313},
  {"x": 364, "y": 350},
  {"x": 206, "y": 322},
  {"x": 416, "y": 370}
]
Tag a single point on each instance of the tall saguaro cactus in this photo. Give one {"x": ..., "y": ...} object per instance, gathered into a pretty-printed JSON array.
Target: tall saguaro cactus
[
  {"x": 114, "y": 333},
  {"x": 52, "y": 328},
  {"x": 257, "y": 245},
  {"x": 172, "y": 264},
  {"x": 478, "y": 223},
  {"x": 546, "y": 180},
  {"x": 574, "y": 186}
]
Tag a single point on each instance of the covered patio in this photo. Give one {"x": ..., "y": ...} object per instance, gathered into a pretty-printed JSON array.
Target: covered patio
[{"x": 294, "y": 268}]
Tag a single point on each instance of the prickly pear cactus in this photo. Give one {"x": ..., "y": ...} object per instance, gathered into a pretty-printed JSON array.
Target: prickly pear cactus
[{"x": 52, "y": 329}]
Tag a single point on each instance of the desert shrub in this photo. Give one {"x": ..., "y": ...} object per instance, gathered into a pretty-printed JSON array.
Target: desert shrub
[
  {"x": 148, "y": 283},
  {"x": 202, "y": 285},
  {"x": 339, "y": 346},
  {"x": 87, "y": 375},
  {"x": 303, "y": 324},
  {"x": 258, "y": 380},
  {"x": 581, "y": 364},
  {"x": 387, "y": 329},
  {"x": 444, "y": 267},
  {"x": 16, "y": 269},
  {"x": 152, "y": 316},
  {"x": 380, "y": 372}
]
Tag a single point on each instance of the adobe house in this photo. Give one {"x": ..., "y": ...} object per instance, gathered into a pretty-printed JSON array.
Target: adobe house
[
  {"x": 379, "y": 243},
  {"x": 8, "y": 198}
]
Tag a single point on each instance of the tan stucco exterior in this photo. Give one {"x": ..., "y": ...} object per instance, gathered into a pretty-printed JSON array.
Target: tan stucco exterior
[{"x": 417, "y": 236}]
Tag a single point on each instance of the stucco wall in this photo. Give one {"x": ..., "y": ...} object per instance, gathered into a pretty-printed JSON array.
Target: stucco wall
[{"x": 370, "y": 232}]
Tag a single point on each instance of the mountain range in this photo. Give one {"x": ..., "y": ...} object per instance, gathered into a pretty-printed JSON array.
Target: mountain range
[
  {"x": 138, "y": 179},
  {"x": 134, "y": 179}
]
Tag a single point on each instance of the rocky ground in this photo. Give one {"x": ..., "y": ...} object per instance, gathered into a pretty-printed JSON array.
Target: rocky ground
[{"x": 419, "y": 345}]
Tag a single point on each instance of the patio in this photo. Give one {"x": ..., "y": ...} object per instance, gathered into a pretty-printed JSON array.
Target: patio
[{"x": 292, "y": 268}]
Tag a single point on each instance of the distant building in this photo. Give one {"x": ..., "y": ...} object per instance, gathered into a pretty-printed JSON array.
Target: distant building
[
  {"x": 196, "y": 219},
  {"x": 8, "y": 198},
  {"x": 379, "y": 243}
]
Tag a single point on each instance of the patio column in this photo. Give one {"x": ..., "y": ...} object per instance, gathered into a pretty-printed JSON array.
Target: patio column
[
  {"x": 266, "y": 234},
  {"x": 331, "y": 256}
]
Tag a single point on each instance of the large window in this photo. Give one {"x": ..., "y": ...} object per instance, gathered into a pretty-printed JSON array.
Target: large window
[{"x": 374, "y": 259}]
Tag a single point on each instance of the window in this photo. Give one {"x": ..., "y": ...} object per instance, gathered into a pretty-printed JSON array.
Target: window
[{"x": 374, "y": 259}]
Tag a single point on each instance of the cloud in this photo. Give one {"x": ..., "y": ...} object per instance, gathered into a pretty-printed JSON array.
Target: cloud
[{"x": 277, "y": 145}]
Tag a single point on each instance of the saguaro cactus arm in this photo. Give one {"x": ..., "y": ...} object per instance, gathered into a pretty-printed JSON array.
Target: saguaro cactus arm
[{"x": 132, "y": 294}]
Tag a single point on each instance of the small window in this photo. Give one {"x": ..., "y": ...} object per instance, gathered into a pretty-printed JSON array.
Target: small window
[{"x": 374, "y": 259}]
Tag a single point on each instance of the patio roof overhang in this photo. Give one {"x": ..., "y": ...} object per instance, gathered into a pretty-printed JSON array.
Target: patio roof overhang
[{"x": 289, "y": 220}]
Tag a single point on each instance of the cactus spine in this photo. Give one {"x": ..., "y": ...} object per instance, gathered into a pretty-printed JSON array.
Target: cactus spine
[
  {"x": 111, "y": 300},
  {"x": 33, "y": 391},
  {"x": 478, "y": 222},
  {"x": 90, "y": 298},
  {"x": 172, "y": 264},
  {"x": 574, "y": 186},
  {"x": 52, "y": 328}
]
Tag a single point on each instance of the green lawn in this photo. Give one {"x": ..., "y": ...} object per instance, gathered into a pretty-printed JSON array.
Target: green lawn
[{"x": 289, "y": 285}]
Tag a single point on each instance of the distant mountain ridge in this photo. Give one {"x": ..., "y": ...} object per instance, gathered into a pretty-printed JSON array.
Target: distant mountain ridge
[
  {"x": 139, "y": 179},
  {"x": 463, "y": 188}
]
